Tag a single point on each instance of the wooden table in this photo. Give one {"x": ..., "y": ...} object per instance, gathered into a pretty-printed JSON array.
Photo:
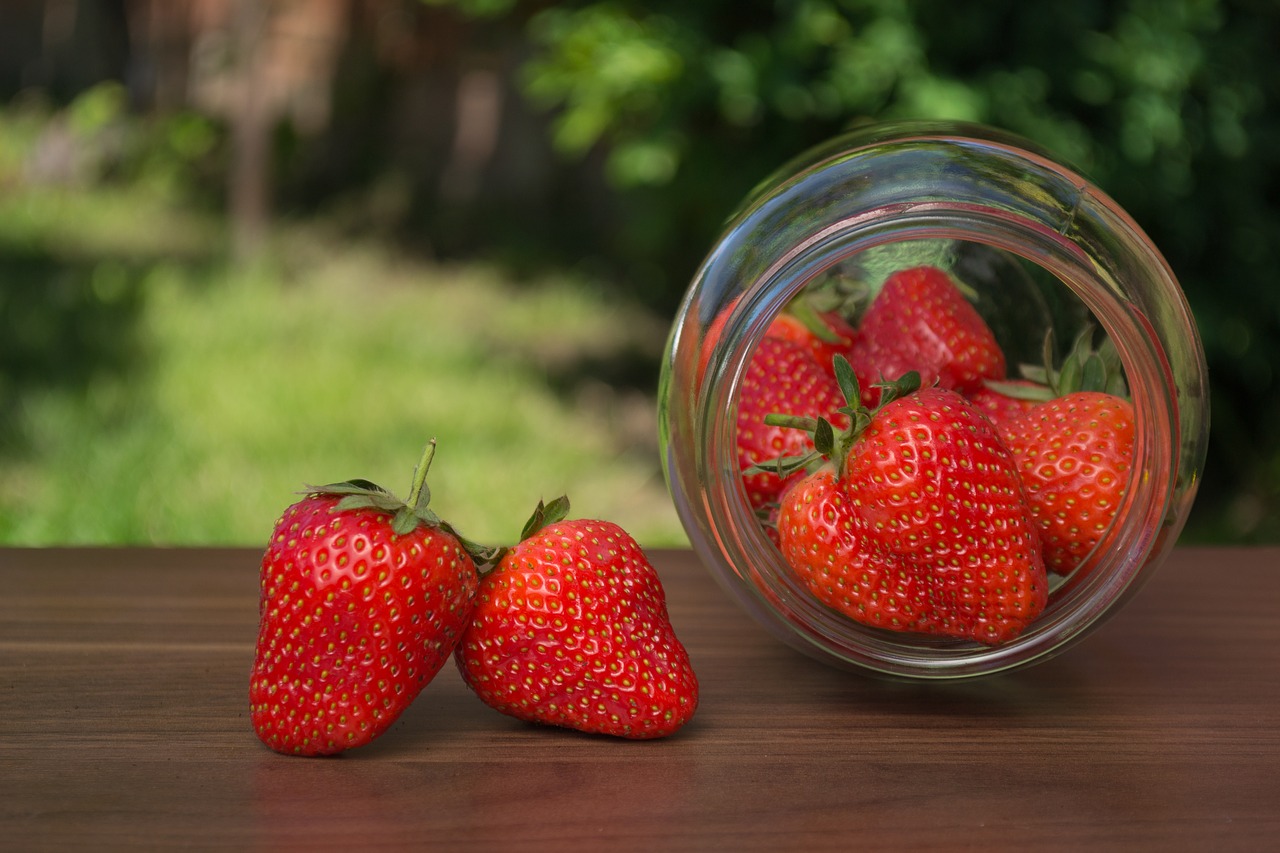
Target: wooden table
[{"x": 124, "y": 723}]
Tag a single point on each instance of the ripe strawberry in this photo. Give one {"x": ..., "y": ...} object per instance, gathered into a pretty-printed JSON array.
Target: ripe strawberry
[
  {"x": 921, "y": 322},
  {"x": 571, "y": 629},
  {"x": 825, "y": 336},
  {"x": 362, "y": 600},
  {"x": 781, "y": 377},
  {"x": 918, "y": 523},
  {"x": 1074, "y": 455}
]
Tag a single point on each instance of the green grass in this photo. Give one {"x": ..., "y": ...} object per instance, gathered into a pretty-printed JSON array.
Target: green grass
[{"x": 329, "y": 361}]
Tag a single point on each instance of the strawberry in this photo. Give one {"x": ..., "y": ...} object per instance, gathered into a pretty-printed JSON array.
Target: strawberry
[
  {"x": 571, "y": 629},
  {"x": 1073, "y": 441},
  {"x": 917, "y": 523},
  {"x": 922, "y": 322},
  {"x": 781, "y": 377},
  {"x": 363, "y": 598},
  {"x": 825, "y": 336},
  {"x": 1074, "y": 456}
]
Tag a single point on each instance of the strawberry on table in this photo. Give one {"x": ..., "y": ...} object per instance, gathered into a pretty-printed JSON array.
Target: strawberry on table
[
  {"x": 363, "y": 598},
  {"x": 921, "y": 322},
  {"x": 571, "y": 629},
  {"x": 917, "y": 523}
]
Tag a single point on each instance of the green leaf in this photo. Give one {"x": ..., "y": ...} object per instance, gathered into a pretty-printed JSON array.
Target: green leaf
[
  {"x": 1069, "y": 377},
  {"x": 1093, "y": 375},
  {"x": 847, "y": 379},
  {"x": 896, "y": 389},
  {"x": 824, "y": 438},
  {"x": 784, "y": 466},
  {"x": 1034, "y": 373},
  {"x": 544, "y": 515},
  {"x": 1048, "y": 358},
  {"x": 347, "y": 487},
  {"x": 1018, "y": 391},
  {"x": 1116, "y": 385},
  {"x": 355, "y": 502},
  {"x": 404, "y": 522},
  {"x": 805, "y": 310}
]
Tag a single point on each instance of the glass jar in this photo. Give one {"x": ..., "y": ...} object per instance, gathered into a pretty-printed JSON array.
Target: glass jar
[{"x": 1043, "y": 248}]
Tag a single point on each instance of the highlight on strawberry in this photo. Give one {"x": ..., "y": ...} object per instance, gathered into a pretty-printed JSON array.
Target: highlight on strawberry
[
  {"x": 571, "y": 629},
  {"x": 363, "y": 597}
]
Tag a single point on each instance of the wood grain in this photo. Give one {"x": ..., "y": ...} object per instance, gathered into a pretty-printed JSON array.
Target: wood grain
[{"x": 123, "y": 723}]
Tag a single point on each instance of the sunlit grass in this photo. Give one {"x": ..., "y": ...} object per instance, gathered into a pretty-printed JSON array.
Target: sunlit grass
[{"x": 331, "y": 361}]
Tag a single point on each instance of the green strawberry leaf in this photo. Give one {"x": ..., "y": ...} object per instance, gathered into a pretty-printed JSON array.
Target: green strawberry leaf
[
  {"x": 805, "y": 312},
  {"x": 347, "y": 487},
  {"x": 405, "y": 521},
  {"x": 847, "y": 380},
  {"x": 824, "y": 437},
  {"x": 544, "y": 515},
  {"x": 784, "y": 466},
  {"x": 1036, "y": 393},
  {"x": 894, "y": 389}
]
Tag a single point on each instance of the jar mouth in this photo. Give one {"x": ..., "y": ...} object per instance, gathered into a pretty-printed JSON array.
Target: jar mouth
[{"x": 1044, "y": 215}]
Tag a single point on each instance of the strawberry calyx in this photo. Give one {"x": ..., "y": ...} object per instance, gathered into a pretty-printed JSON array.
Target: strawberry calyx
[
  {"x": 829, "y": 442},
  {"x": 841, "y": 295},
  {"x": 544, "y": 515},
  {"x": 1085, "y": 368},
  {"x": 406, "y": 515}
]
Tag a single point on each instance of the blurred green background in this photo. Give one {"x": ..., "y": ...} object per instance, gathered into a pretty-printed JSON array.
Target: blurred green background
[{"x": 247, "y": 245}]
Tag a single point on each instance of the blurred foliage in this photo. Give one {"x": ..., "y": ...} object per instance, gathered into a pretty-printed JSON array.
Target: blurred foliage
[
  {"x": 71, "y": 266},
  {"x": 154, "y": 392},
  {"x": 663, "y": 116},
  {"x": 1170, "y": 105}
]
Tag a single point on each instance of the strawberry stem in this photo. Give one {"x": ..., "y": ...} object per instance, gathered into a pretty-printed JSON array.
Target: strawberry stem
[
  {"x": 419, "y": 492},
  {"x": 805, "y": 312},
  {"x": 791, "y": 421}
]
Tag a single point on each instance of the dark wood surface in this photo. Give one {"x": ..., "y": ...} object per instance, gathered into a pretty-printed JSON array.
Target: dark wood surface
[{"x": 124, "y": 723}]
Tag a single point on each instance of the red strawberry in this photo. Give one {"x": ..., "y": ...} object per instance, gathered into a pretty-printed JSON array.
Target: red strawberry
[
  {"x": 918, "y": 525},
  {"x": 922, "y": 322},
  {"x": 571, "y": 629},
  {"x": 781, "y": 377},
  {"x": 833, "y": 336},
  {"x": 363, "y": 598},
  {"x": 1074, "y": 455}
]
